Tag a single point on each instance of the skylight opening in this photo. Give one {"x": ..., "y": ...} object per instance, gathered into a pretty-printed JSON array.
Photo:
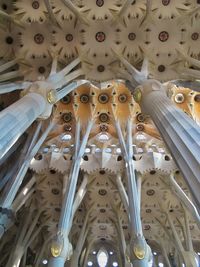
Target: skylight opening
[
  {"x": 102, "y": 258},
  {"x": 103, "y": 137},
  {"x": 66, "y": 137}
]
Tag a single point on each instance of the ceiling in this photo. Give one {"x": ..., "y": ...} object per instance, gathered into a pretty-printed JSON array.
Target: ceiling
[{"x": 103, "y": 35}]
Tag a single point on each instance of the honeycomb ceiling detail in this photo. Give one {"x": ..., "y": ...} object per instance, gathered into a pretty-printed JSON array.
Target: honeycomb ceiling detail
[{"x": 91, "y": 30}]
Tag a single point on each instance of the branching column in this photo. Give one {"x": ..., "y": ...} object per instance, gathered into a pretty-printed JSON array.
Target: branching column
[
  {"x": 80, "y": 243},
  {"x": 185, "y": 200},
  {"x": 15, "y": 119},
  {"x": 179, "y": 131},
  {"x": 10, "y": 193},
  {"x": 27, "y": 235},
  {"x": 61, "y": 249},
  {"x": 138, "y": 246},
  {"x": 188, "y": 255},
  {"x": 120, "y": 233}
]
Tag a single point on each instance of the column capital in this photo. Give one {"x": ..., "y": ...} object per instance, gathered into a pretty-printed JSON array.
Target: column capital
[
  {"x": 44, "y": 89},
  {"x": 150, "y": 86},
  {"x": 138, "y": 248},
  {"x": 61, "y": 247}
]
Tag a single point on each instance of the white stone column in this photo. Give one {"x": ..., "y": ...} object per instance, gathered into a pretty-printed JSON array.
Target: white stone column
[
  {"x": 180, "y": 133},
  {"x": 8, "y": 196},
  {"x": 61, "y": 248},
  {"x": 138, "y": 245},
  {"x": 15, "y": 119}
]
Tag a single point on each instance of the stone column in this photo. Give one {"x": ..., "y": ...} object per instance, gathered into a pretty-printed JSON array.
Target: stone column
[
  {"x": 180, "y": 133},
  {"x": 8, "y": 196},
  {"x": 80, "y": 242},
  {"x": 61, "y": 249},
  {"x": 185, "y": 200},
  {"x": 15, "y": 119},
  {"x": 122, "y": 192},
  {"x": 139, "y": 255}
]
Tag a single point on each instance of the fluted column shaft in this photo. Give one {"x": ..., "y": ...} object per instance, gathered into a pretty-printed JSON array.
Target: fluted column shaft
[
  {"x": 180, "y": 133},
  {"x": 15, "y": 119}
]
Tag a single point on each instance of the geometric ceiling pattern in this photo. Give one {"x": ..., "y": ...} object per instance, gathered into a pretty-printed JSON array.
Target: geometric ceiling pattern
[{"x": 39, "y": 38}]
